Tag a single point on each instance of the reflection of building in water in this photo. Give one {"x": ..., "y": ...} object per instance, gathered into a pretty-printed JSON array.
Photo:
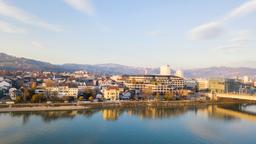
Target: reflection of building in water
[
  {"x": 227, "y": 112},
  {"x": 155, "y": 112},
  {"x": 46, "y": 116},
  {"x": 111, "y": 114},
  {"x": 231, "y": 112}
]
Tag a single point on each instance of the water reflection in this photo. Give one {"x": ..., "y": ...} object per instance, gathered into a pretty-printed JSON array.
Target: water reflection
[
  {"x": 222, "y": 112},
  {"x": 232, "y": 112}
]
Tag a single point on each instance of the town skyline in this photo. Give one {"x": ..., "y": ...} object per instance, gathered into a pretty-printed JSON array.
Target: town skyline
[
  {"x": 127, "y": 71},
  {"x": 148, "y": 34}
]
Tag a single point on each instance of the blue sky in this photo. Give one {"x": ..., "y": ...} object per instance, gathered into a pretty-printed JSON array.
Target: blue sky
[{"x": 182, "y": 33}]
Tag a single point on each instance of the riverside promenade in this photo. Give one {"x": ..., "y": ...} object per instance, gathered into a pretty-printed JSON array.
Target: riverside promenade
[{"x": 90, "y": 105}]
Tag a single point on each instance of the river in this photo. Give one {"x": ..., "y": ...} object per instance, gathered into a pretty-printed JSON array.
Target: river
[{"x": 226, "y": 124}]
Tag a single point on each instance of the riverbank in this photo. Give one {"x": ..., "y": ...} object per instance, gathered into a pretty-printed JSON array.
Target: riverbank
[{"x": 90, "y": 105}]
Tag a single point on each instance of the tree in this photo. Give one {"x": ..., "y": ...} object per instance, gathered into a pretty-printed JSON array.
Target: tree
[
  {"x": 18, "y": 99},
  {"x": 91, "y": 98},
  {"x": 147, "y": 92},
  {"x": 89, "y": 92},
  {"x": 1, "y": 93},
  {"x": 33, "y": 85},
  {"x": 37, "y": 98},
  {"x": 26, "y": 94},
  {"x": 49, "y": 83},
  {"x": 158, "y": 97},
  {"x": 81, "y": 98},
  {"x": 168, "y": 96}
]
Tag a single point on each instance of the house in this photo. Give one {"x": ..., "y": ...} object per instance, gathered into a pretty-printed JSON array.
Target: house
[
  {"x": 126, "y": 95},
  {"x": 13, "y": 93},
  {"x": 5, "y": 85},
  {"x": 1, "y": 79},
  {"x": 112, "y": 93}
]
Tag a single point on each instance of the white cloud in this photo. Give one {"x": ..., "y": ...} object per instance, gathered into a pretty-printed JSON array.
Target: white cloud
[
  {"x": 84, "y": 6},
  {"x": 11, "y": 11},
  {"x": 8, "y": 28},
  {"x": 207, "y": 31},
  {"x": 217, "y": 28},
  {"x": 242, "y": 10},
  {"x": 239, "y": 41},
  {"x": 37, "y": 45}
]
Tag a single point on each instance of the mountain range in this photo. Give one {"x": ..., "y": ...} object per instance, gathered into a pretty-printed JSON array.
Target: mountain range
[{"x": 8, "y": 62}]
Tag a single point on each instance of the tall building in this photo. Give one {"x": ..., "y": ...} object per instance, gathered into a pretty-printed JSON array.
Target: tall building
[
  {"x": 246, "y": 79},
  {"x": 224, "y": 85},
  {"x": 165, "y": 70},
  {"x": 179, "y": 73}
]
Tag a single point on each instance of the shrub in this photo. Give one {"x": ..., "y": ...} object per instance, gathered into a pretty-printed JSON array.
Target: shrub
[{"x": 81, "y": 98}]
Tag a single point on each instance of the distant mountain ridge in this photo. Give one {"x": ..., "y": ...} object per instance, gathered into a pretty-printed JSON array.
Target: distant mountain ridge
[
  {"x": 8, "y": 62},
  {"x": 227, "y": 72}
]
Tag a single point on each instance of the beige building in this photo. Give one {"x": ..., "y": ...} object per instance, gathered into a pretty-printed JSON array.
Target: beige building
[
  {"x": 203, "y": 84},
  {"x": 63, "y": 91},
  {"x": 112, "y": 93}
]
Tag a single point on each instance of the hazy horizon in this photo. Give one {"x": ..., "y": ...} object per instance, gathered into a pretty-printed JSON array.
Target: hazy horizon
[
  {"x": 146, "y": 33},
  {"x": 173, "y": 68}
]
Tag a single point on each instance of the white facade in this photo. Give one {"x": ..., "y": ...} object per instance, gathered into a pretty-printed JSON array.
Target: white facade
[
  {"x": 179, "y": 73},
  {"x": 246, "y": 79},
  {"x": 165, "y": 70},
  {"x": 13, "y": 93},
  {"x": 190, "y": 83},
  {"x": 5, "y": 85},
  {"x": 64, "y": 91}
]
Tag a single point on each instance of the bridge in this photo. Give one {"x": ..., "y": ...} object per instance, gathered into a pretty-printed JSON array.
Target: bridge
[{"x": 233, "y": 96}]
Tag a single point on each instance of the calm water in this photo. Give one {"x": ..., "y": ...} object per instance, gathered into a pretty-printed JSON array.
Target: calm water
[{"x": 143, "y": 125}]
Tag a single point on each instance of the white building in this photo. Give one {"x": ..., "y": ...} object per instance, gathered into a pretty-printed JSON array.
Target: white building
[
  {"x": 165, "y": 70},
  {"x": 246, "y": 79},
  {"x": 13, "y": 93},
  {"x": 5, "y": 85},
  {"x": 179, "y": 73},
  {"x": 117, "y": 78},
  {"x": 63, "y": 91},
  {"x": 190, "y": 83},
  {"x": 1, "y": 79}
]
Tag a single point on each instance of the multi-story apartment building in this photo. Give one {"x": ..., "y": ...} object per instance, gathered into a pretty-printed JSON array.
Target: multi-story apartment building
[
  {"x": 225, "y": 85},
  {"x": 157, "y": 83},
  {"x": 203, "y": 84},
  {"x": 63, "y": 91}
]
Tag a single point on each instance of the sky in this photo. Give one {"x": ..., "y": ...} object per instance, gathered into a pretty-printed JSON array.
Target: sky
[{"x": 148, "y": 33}]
